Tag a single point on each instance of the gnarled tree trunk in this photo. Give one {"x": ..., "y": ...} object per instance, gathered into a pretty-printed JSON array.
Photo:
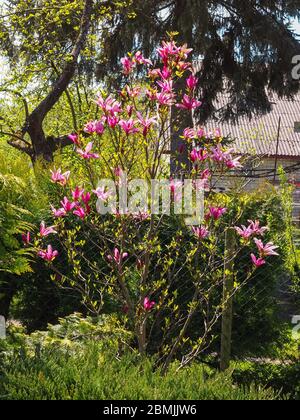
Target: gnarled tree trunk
[{"x": 43, "y": 147}]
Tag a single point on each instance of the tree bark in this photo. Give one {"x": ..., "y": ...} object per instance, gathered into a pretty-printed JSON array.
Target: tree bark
[{"x": 180, "y": 163}]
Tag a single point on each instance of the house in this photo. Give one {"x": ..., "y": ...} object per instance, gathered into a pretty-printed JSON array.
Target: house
[{"x": 270, "y": 140}]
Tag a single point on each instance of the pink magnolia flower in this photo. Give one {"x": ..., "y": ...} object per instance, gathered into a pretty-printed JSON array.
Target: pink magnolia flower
[
  {"x": 112, "y": 121},
  {"x": 258, "y": 262},
  {"x": 183, "y": 66},
  {"x": 89, "y": 127},
  {"x": 45, "y": 231},
  {"x": 140, "y": 59},
  {"x": 192, "y": 82},
  {"x": 127, "y": 64},
  {"x": 94, "y": 127},
  {"x": 216, "y": 212},
  {"x": 80, "y": 212},
  {"x": 128, "y": 126},
  {"x": 146, "y": 123},
  {"x": 205, "y": 175},
  {"x": 265, "y": 250},
  {"x": 168, "y": 49},
  {"x": 165, "y": 99},
  {"x": 174, "y": 185},
  {"x": 58, "y": 213},
  {"x": 194, "y": 155},
  {"x": 184, "y": 51},
  {"x": 218, "y": 154},
  {"x": 244, "y": 232},
  {"x": 166, "y": 86},
  {"x": 189, "y": 103},
  {"x": 59, "y": 178},
  {"x": 233, "y": 163},
  {"x": 133, "y": 92},
  {"x": 148, "y": 304},
  {"x": 86, "y": 198},
  {"x": 102, "y": 194},
  {"x": 256, "y": 228},
  {"x": 221, "y": 155},
  {"x": 200, "y": 132},
  {"x": 26, "y": 237},
  {"x": 77, "y": 193},
  {"x": 49, "y": 254},
  {"x": 198, "y": 155},
  {"x": 74, "y": 138},
  {"x": 165, "y": 73},
  {"x": 86, "y": 154},
  {"x": 218, "y": 133},
  {"x": 189, "y": 133},
  {"x": 117, "y": 256},
  {"x": 129, "y": 110},
  {"x": 201, "y": 232},
  {"x": 109, "y": 105},
  {"x": 176, "y": 190},
  {"x": 67, "y": 205}
]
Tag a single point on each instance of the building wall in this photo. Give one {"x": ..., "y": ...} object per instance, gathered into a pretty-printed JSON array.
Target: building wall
[{"x": 266, "y": 172}]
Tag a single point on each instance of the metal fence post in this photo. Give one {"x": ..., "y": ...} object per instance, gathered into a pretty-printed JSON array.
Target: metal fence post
[{"x": 2, "y": 327}]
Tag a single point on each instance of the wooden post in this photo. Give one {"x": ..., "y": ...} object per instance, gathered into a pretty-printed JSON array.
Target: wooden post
[
  {"x": 2, "y": 327},
  {"x": 228, "y": 289}
]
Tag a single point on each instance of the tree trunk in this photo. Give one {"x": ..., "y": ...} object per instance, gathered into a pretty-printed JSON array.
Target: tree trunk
[
  {"x": 43, "y": 147},
  {"x": 180, "y": 163}
]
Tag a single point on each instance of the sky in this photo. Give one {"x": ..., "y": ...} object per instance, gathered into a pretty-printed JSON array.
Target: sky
[{"x": 296, "y": 26}]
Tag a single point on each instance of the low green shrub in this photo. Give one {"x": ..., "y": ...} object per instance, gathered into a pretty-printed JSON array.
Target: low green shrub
[
  {"x": 71, "y": 333},
  {"x": 282, "y": 377},
  {"x": 94, "y": 374},
  {"x": 91, "y": 358}
]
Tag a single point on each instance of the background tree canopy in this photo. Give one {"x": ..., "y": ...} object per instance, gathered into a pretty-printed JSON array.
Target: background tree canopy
[
  {"x": 244, "y": 47},
  {"x": 248, "y": 44},
  {"x": 47, "y": 45}
]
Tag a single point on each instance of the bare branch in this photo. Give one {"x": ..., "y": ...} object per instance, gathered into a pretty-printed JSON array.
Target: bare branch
[
  {"x": 17, "y": 93},
  {"x": 75, "y": 125},
  {"x": 40, "y": 112}
]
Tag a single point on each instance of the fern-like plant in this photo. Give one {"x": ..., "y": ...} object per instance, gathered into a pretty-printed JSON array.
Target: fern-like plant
[{"x": 13, "y": 258}]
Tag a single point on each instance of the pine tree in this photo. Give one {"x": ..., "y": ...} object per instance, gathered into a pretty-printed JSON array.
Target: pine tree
[{"x": 245, "y": 47}]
